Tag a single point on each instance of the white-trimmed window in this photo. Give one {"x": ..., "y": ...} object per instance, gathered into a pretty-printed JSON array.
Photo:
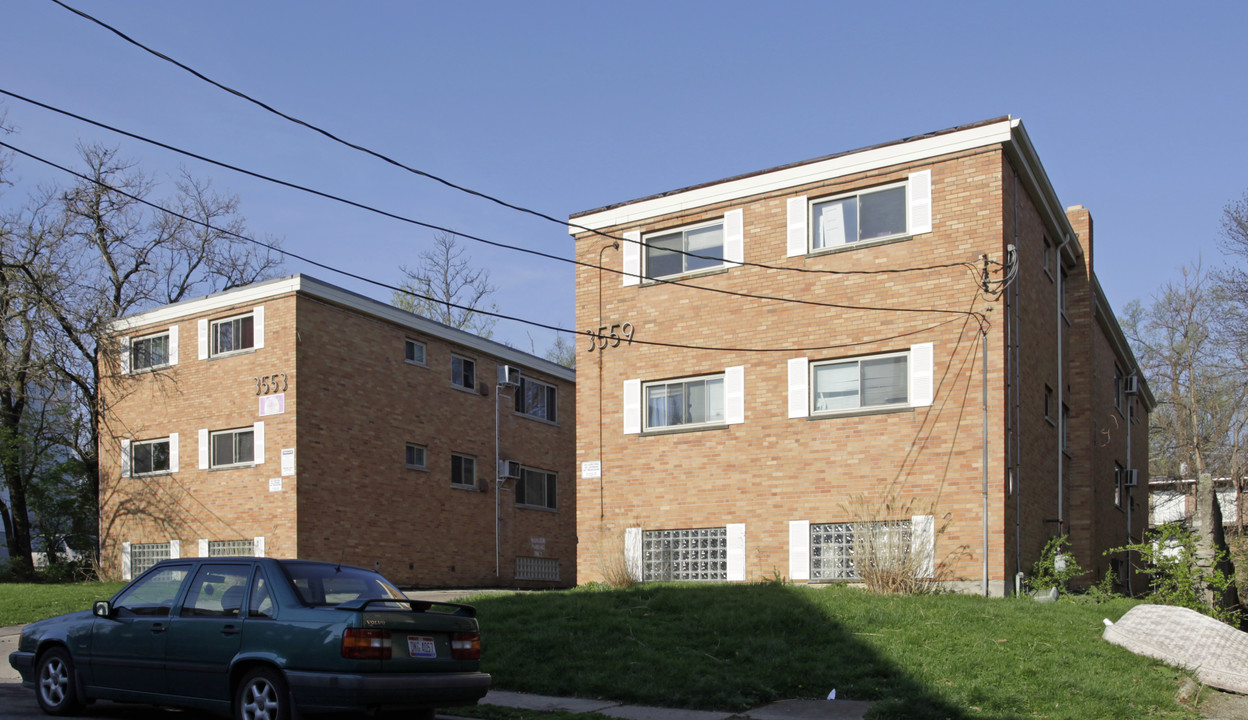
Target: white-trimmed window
[
  {"x": 414, "y": 457},
  {"x": 871, "y": 382},
  {"x": 687, "y": 402},
  {"x": 463, "y": 372},
  {"x": 414, "y": 351},
  {"x": 536, "y": 488},
  {"x": 1120, "y": 478},
  {"x": 537, "y": 399},
  {"x": 686, "y": 250},
  {"x": 876, "y": 214},
  {"x": 231, "y": 335},
  {"x": 848, "y": 385},
  {"x": 463, "y": 471},
  {"x": 147, "y": 353},
  {"x": 231, "y": 448},
  {"x": 150, "y": 457}
]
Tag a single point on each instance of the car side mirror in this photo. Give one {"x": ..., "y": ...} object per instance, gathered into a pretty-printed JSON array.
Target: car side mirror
[{"x": 102, "y": 608}]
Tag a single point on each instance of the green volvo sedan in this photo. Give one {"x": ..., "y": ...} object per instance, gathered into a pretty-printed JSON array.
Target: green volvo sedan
[{"x": 258, "y": 638}]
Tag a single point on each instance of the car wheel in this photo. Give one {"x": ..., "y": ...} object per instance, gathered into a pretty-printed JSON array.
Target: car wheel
[
  {"x": 262, "y": 695},
  {"x": 55, "y": 685}
]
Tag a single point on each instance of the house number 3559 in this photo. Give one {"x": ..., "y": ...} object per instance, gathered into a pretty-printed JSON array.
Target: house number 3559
[
  {"x": 271, "y": 384},
  {"x": 609, "y": 336}
]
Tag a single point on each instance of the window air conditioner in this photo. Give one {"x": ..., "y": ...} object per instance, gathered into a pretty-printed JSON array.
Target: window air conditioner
[
  {"x": 1131, "y": 478},
  {"x": 508, "y": 469},
  {"x": 1133, "y": 384},
  {"x": 508, "y": 375}
]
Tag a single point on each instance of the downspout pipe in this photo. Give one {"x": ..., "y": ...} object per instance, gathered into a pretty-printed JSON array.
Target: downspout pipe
[{"x": 1061, "y": 394}]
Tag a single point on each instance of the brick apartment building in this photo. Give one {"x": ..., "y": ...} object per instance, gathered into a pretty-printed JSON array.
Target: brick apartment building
[
  {"x": 723, "y": 435},
  {"x": 293, "y": 418}
]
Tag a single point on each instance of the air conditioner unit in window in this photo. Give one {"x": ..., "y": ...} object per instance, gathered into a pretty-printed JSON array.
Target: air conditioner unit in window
[
  {"x": 508, "y": 375},
  {"x": 1132, "y": 384},
  {"x": 508, "y": 469},
  {"x": 1130, "y": 478}
]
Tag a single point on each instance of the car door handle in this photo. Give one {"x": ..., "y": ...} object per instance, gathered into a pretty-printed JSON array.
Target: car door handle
[
  {"x": 158, "y": 627},
  {"x": 231, "y": 630}
]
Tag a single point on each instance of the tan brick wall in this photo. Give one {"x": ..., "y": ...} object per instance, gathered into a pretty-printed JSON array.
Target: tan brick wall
[
  {"x": 771, "y": 469},
  {"x": 352, "y": 404}
]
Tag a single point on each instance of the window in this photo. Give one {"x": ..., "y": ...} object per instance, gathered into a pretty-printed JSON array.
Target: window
[
  {"x": 149, "y": 352},
  {"x": 232, "y": 447},
  {"x": 231, "y": 548},
  {"x": 148, "y": 457},
  {"x": 463, "y": 471},
  {"x": 536, "y": 398},
  {"x": 536, "y": 568},
  {"x": 414, "y": 352},
  {"x": 841, "y": 385},
  {"x": 153, "y": 595},
  {"x": 1048, "y": 403},
  {"x": 536, "y": 488},
  {"x": 1062, "y": 281},
  {"x": 871, "y": 215},
  {"x": 216, "y": 592},
  {"x": 233, "y": 335},
  {"x": 463, "y": 372},
  {"x": 699, "y": 554},
  {"x": 415, "y": 456},
  {"x": 673, "y": 253},
  {"x": 261, "y": 604},
  {"x": 1119, "y": 386},
  {"x": 1120, "y": 478},
  {"x": 145, "y": 555},
  {"x": 842, "y": 551},
  {"x": 676, "y": 403},
  {"x": 1065, "y": 427},
  {"x": 1048, "y": 257}
]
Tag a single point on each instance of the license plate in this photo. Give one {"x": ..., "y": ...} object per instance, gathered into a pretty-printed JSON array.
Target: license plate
[{"x": 421, "y": 647}]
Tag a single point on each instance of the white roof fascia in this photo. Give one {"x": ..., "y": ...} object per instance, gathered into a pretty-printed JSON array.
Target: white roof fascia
[
  {"x": 331, "y": 293},
  {"x": 849, "y": 164}
]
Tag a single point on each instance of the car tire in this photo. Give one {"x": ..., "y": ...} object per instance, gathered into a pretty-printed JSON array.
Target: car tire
[
  {"x": 56, "y": 685},
  {"x": 262, "y": 695}
]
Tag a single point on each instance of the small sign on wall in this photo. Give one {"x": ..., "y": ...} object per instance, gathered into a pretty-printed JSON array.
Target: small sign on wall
[
  {"x": 275, "y": 484},
  {"x": 539, "y": 545},
  {"x": 288, "y": 462},
  {"x": 273, "y": 404},
  {"x": 591, "y": 470}
]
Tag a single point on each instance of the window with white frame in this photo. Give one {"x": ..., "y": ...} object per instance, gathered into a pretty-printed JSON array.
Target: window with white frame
[
  {"x": 686, "y": 250},
  {"x": 536, "y": 488},
  {"x": 876, "y": 214},
  {"x": 843, "y": 551},
  {"x": 860, "y": 383},
  {"x": 145, "y": 555},
  {"x": 684, "y": 403},
  {"x": 231, "y": 448},
  {"x": 414, "y": 351},
  {"x": 231, "y": 548},
  {"x": 536, "y": 398},
  {"x": 681, "y": 555},
  {"x": 463, "y": 471},
  {"x": 884, "y": 382},
  {"x": 415, "y": 456},
  {"x": 149, "y": 457},
  {"x": 869, "y": 215},
  {"x": 463, "y": 372},
  {"x": 232, "y": 335},
  {"x": 147, "y": 353}
]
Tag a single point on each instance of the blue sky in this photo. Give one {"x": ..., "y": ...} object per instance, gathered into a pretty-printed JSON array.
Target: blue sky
[{"x": 1136, "y": 111}]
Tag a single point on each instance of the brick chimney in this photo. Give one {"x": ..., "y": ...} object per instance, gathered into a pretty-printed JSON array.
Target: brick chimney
[{"x": 1081, "y": 220}]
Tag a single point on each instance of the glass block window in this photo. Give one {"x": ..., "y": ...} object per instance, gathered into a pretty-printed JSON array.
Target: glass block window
[
  {"x": 230, "y": 548},
  {"x": 836, "y": 549},
  {"x": 534, "y": 568},
  {"x": 699, "y": 554},
  {"x": 143, "y": 556}
]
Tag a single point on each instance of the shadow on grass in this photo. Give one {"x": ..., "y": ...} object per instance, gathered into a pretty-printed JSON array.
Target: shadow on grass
[{"x": 708, "y": 647}]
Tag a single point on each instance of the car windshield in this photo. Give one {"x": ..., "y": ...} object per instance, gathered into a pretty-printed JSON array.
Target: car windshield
[{"x": 321, "y": 585}]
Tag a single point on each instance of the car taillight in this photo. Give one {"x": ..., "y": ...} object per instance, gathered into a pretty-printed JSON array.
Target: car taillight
[
  {"x": 466, "y": 646},
  {"x": 366, "y": 644}
]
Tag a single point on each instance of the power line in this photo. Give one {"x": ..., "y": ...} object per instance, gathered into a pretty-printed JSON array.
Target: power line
[
  {"x": 378, "y": 283},
  {"x": 425, "y": 174},
  {"x": 573, "y": 261}
]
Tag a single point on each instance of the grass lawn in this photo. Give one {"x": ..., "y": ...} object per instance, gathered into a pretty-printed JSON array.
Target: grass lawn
[
  {"x": 21, "y": 603},
  {"x": 734, "y": 647}
]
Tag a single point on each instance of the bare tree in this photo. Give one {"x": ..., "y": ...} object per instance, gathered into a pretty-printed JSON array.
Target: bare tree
[
  {"x": 446, "y": 287},
  {"x": 562, "y": 351},
  {"x": 102, "y": 253}
]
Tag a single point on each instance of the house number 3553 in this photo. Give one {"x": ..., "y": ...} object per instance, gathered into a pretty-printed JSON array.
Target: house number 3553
[
  {"x": 610, "y": 336},
  {"x": 271, "y": 384}
]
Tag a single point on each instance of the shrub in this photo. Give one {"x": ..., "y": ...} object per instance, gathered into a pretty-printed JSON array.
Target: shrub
[
  {"x": 1055, "y": 567},
  {"x": 1175, "y": 575}
]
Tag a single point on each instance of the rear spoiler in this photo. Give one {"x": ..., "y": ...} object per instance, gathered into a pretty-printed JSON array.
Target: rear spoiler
[{"x": 415, "y": 605}]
